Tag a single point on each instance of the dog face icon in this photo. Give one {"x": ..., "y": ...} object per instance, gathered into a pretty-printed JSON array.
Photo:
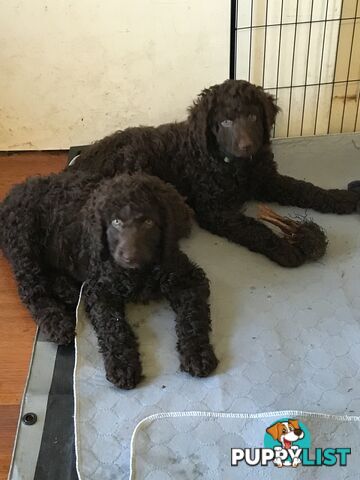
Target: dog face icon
[{"x": 286, "y": 433}]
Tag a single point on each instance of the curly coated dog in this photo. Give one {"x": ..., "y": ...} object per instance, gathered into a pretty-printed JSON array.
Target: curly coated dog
[
  {"x": 119, "y": 236},
  {"x": 219, "y": 158}
]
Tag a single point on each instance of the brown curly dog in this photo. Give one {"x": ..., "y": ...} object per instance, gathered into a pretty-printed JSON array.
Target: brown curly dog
[
  {"x": 219, "y": 158},
  {"x": 119, "y": 236}
]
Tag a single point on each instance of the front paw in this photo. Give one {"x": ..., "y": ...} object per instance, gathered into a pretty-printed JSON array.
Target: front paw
[
  {"x": 345, "y": 201},
  {"x": 302, "y": 240},
  {"x": 307, "y": 243},
  {"x": 123, "y": 372},
  {"x": 311, "y": 240},
  {"x": 57, "y": 326},
  {"x": 355, "y": 187},
  {"x": 198, "y": 361}
]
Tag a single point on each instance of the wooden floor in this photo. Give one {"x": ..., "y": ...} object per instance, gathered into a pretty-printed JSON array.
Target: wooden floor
[{"x": 16, "y": 326}]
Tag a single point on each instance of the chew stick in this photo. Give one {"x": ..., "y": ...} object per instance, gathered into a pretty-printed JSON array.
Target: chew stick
[{"x": 286, "y": 225}]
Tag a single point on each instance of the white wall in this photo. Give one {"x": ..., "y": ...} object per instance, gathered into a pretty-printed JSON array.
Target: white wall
[{"x": 73, "y": 71}]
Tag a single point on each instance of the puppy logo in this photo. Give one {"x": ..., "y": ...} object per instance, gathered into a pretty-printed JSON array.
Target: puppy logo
[
  {"x": 287, "y": 433},
  {"x": 287, "y": 443}
]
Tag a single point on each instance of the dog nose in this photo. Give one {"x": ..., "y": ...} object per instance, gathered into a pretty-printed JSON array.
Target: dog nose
[
  {"x": 298, "y": 432},
  {"x": 128, "y": 257},
  {"x": 245, "y": 146}
]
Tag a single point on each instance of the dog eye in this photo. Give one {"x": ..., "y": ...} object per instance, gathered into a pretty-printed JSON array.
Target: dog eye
[
  {"x": 117, "y": 223},
  {"x": 226, "y": 123},
  {"x": 148, "y": 222},
  {"x": 252, "y": 117}
]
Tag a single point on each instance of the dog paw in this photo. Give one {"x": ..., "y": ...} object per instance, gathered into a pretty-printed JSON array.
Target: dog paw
[
  {"x": 301, "y": 241},
  {"x": 122, "y": 373},
  {"x": 57, "y": 326},
  {"x": 355, "y": 187},
  {"x": 346, "y": 201},
  {"x": 199, "y": 363},
  {"x": 307, "y": 243},
  {"x": 310, "y": 240}
]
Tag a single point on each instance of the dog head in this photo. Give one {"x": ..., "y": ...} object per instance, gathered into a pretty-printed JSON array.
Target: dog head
[
  {"x": 233, "y": 119},
  {"x": 136, "y": 220},
  {"x": 286, "y": 432},
  {"x": 133, "y": 235}
]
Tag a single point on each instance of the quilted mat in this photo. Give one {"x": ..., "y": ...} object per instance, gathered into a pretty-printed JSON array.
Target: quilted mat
[
  {"x": 214, "y": 453},
  {"x": 287, "y": 339}
]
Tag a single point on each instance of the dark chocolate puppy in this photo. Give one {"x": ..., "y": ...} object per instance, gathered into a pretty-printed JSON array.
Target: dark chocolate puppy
[
  {"x": 119, "y": 236},
  {"x": 219, "y": 158}
]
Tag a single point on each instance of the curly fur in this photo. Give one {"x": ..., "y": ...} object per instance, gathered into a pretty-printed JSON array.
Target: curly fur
[
  {"x": 53, "y": 233},
  {"x": 187, "y": 154}
]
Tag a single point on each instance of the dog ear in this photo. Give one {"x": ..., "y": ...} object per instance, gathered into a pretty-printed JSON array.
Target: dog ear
[
  {"x": 200, "y": 117},
  {"x": 177, "y": 215},
  {"x": 295, "y": 424},
  {"x": 274, "y": 431},
  {"x": 270, "y": 109},
  {"x": 93, "y": 231}
]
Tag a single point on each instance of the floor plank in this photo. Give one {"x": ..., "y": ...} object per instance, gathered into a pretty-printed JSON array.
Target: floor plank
[
  {"x": 16, "y": 326},
  {"x": 8, "y": 422}
]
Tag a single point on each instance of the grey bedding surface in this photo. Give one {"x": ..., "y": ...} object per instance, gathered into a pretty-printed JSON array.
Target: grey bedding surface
[
  {"x": 286, "y": 340},
  {"x": 206, "y": 445}
]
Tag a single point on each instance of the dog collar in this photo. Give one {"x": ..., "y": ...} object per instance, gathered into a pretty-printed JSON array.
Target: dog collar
[{"x": 228, "y": 160}]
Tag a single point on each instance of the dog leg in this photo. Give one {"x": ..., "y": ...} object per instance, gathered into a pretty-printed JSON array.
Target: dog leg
[
  {"x": 65, "y": 289},
  {"x": 290, "y": 191},
  {"x": 187, "y": 289},
  {"x": 55, "y": 322},
  {"x": 117, "y": 341},
  {"x": 257, "y": 237}
]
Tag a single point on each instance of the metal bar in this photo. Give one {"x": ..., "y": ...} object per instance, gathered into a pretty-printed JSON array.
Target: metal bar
[
  {"x": 307, "y": 67},
  {"x": 311, "y": 84},
  {"x": 348, "y": 72},
  {"x": 321, "y": 66},
  {"x": 233, "y": 38},
  {"x": 299, "y": 23},
  {"x": 265, "y": 35},
  {"x": 292, "y": 67},
  {"x": 251, "y": 19},
  {"x": 357, "y": 110},
  {"x": 278, "y": 62},
  {"x": 334, "y": 75}
]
